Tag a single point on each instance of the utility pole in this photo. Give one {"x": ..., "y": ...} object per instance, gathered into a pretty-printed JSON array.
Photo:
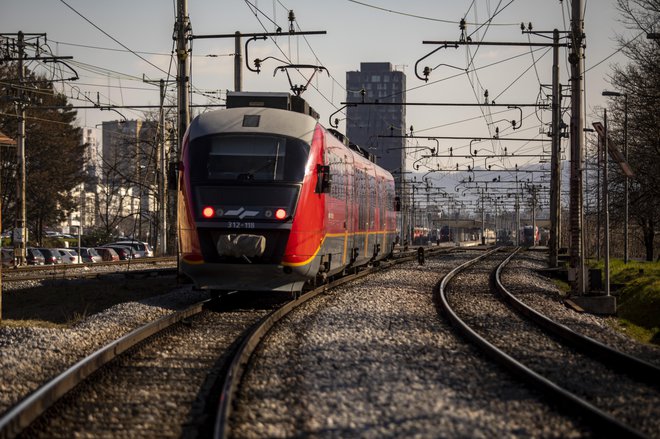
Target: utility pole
[
  {"x": 183, "y": 71},
  {"x": 20, "y": 231},
  {"x": 533, "y": 190},
  {"x": 161, "y": 175},
  {"x": 599, "y": 159},
  {"x": 606, "y": 205},
  {"x": 627, "y": 181},
  {"x": 20, "y": 237},
  {"x": 555, "y": 160},
  {"x": 182, "y": 28},
  {"x": 576, "y": 273},
  {"x": 483, "y": 219},
  {"x": 238, "y": 63},
  {"x": 518, "y": 215}
]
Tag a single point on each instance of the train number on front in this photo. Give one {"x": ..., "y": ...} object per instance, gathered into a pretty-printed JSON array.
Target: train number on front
[{"x": 240, "y": 225}]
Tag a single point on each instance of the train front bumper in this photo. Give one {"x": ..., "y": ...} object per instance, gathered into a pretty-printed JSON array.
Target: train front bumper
[{"x": 247, "y": 277}]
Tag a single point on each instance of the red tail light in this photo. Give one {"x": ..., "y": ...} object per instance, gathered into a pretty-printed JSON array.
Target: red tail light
[
  {"x": 280, "y": 214},
  {"x": 208, "y": 212}
]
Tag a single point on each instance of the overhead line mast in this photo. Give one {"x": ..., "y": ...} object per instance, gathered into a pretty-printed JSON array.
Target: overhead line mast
[
  {"x": 20, "y": 231},
  {"x": 576, "y": 60},
  {"x": 182, "y": 32}
]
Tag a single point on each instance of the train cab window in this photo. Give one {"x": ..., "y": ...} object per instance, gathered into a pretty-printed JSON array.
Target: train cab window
[{"x": 248, "y": 158}]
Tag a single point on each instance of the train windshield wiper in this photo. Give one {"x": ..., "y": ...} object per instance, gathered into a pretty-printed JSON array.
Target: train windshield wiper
[{"x": 251, "y": 173}]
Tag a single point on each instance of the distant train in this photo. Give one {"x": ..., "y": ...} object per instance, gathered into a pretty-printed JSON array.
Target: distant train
[
  {"x": 269, "y": 199},
  {"x": 530, "y": 236},
  {"x": 421, "y": 235},
  {"x": 446, "y": 234}
]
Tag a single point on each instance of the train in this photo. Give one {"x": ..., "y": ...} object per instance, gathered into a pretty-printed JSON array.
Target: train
[
  {"x": 421, "y": 235},
  {"x": 446, "y": 234},
  {"x": 530, "y": 236},
  {"x": 269, "y": 199}
]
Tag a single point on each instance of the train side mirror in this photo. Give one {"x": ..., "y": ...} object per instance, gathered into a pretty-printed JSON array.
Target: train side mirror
[
  {"x": 397, "y": 204},
  {"x": 323, "y": 179}
]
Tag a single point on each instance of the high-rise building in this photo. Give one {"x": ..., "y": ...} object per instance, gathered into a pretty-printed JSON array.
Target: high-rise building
[
  {"x": 85, "y": 217},
  {"x": 93, "y": 157},
  {"x": 129, "y": 147},
  {"x": 88, "y": 190},
  {"x": 378, "y": 82},
  {"x": 130, "y": 157}
]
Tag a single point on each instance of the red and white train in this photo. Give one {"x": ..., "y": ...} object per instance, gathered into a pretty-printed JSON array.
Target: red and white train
[{"x": 269, "y": 199}]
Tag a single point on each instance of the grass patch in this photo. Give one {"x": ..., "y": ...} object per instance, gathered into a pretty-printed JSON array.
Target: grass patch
[
  {"x": 10, "y": 323},
  {"x": 638, "y": 301},
  {"x": 563, "y": 286}
]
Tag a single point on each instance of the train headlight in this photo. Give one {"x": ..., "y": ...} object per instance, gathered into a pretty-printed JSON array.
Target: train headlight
[
  {"x": 208, "y": 212},
  {"x": 280, "y": 214}
]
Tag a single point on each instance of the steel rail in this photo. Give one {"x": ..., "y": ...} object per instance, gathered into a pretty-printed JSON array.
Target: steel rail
[
  {"x": 63, "y": 275},
  {"x": 634, "y": 367},
  {"x": 21, "y": 415},
  {"x": 31, "y": 407},
  {"x": 71, "y": 271},
  {"x": 601, "y": 421},
  {"x": 252, "y": 339},
  {"x": 139, "y": 261}
]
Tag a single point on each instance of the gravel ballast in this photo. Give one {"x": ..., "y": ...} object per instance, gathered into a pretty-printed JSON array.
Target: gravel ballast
[
  {"x": 31, "y": 356},
  {"x": 374, "y": 359}
]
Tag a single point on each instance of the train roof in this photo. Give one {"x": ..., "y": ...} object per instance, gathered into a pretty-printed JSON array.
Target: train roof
[
  {"x": 269, "y": 112},
  {"x": 363, "y": 152},
  {"x": 283, "y": 101},
  {"x": 253, "y": 120}
]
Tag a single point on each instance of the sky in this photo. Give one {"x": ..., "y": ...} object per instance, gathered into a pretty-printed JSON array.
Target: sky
[{"x": 98, "y": 33}]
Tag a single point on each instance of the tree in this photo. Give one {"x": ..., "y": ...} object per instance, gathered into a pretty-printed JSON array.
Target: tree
[
  {"x": 53, "y": 152},
  {"x": 127, "y": 188},
  {"x": 640, "y": 82}
]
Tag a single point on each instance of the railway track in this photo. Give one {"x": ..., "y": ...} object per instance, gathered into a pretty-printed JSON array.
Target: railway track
[
  {"x": 55, "y": 410},
  {"x": 147, "y": 266},
  {"x": 617, "y": 393}
]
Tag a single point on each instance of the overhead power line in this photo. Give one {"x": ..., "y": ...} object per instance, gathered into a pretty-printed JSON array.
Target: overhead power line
[
  {"x": 113, "y": 38},
  {"x": 110, "y": 49},
  {"x": 440, "y": 20}
]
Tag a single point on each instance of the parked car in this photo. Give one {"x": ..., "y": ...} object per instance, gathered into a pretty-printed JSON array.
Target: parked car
[
  {"x": 34, "y": 257},
  {"x": 107, "y": 254},
  {"x": 141, "y": 248},
  {"x": 89, "y": 254},
  {"x": 69, "y": 255},
  {"x": 125, "y": 253},
  {"x": 51, "y": 256},
  {"x": 7, "y": 257}
]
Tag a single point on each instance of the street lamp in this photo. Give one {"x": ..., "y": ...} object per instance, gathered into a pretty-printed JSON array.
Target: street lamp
[{"x": 625, "y": 154}]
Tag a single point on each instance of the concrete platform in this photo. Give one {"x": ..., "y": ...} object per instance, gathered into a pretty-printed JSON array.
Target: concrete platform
[{"x": 605, "y": 305}]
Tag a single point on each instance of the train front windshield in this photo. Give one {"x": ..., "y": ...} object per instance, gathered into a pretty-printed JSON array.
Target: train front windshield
[{"x": 258, "y": 158}]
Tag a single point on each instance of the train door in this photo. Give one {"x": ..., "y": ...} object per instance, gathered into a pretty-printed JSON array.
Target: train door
[
  {"x": 360, "y": 201},
  {"x": 349, "y": 227},
  {"x": 370, "y": 186},
  {"x": 382, "y": 213}
]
